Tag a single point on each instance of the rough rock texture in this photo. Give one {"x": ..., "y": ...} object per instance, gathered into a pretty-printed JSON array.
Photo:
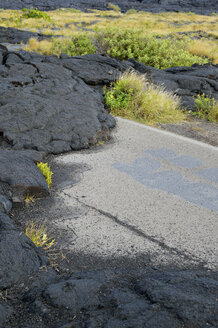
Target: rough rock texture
[
  {"x": 19, "y": 257},
  {"x": 191, "y": 295},
  {"x": 55, "y": 105},
  {"x": 74, "y": 294},
  {"x": 18, "y": 169},
  {"x": 186, "y": 82},
  {"x": 5, "y": 312},
  {"x": 5, "y": 198},
  {"x": 159, "y": 299},
  {"x": 46, "y": 96},
  {"x": 55, "y": 110},
  {"x": 197, "y": 6},
  {"x": 13, "y": 35},
  {"x": 95, "y": 69}
]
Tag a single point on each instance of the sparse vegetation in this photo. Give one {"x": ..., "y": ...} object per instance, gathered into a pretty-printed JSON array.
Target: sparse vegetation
[
  {"x": 45, "y": 169},
  {"x": 150, "y": 50},
  {"x": 179, "y": 28},
  {"x": 133, "y": 97},
  {"x": 131, "y": 12},
  {"x": 37, "y": 233},
  {"x": 29, "y": 199},
  {"x": 35, "y": 13},
  {"x": 114, "y": 7},
  {"x": 122, "y": 44},
  {"x": 206, "y": 108},
  {"x": 204, "y": 48},
  {"x": 160, "y": 40}
]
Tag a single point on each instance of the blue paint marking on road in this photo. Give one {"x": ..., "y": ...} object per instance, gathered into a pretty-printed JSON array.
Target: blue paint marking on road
[
  {"x": 186, "y": 162},
  {"x": 209, "y": 174},
  {"x": 147, "y": 170}
]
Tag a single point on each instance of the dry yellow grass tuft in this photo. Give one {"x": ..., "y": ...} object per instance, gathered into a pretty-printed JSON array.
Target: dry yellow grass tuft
[
  {"x": 133, "y": 97},
  {"x": 204, "y": 48},
  {"x": 44, "y": 47}
]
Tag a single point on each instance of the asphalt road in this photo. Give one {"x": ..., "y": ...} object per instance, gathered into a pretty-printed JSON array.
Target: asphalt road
[{"x": 148, "y": 193}]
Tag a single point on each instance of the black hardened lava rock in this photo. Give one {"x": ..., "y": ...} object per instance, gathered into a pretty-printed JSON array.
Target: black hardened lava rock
[
  {"x": 56, "y": 105},
  {"x": 18, "y": 169},
  {"x": 47, "y": 107},
  {"x": 185, "y": 82},
  {"x": 198, "y": 6},
  {"x": 115, "y": 299},
  {"x": 13, "y": 35}
]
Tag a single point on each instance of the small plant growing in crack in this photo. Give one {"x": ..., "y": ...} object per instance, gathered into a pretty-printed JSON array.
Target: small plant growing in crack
[
  {"x": 46, "y": 171},
  {"x": 39, "y": 236},
  {"x": 29, "y": 199}
]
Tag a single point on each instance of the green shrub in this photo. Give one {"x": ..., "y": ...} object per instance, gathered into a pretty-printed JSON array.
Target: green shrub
[
  {"x": 35, "y": 13},
  {"x": 124, "y": 44},
  {"x": 45, "y": 169},
  {"x": 78, "y": 46},
  {"x": 133, "y": 97},
  {"x": 149, "y": 50},
  {"x": 206, "y": 108},
  {"x": 114, "y": 7}
]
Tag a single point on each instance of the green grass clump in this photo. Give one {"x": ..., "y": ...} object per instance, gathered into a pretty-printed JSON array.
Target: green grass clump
[
  {"x": 113, "y": 7},
  {"x": 29, "y": 199},
  {"x": 45, "y": 169},
  {"x": 39, "y": 236},
  {"x": 133, "y": 97},
  {"x": 149, "y": 50},
  {"x": 35, "y": 13},
  {"x": 206, "y": 108}
]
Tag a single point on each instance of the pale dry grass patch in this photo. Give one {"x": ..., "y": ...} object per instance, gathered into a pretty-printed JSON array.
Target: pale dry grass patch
[
  {"x": 204, "y": 48},
  {"x": 43, "y": 47}
]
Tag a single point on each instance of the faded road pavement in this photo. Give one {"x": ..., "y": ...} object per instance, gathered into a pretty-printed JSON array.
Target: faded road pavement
[{"x": 148, "y": 193}]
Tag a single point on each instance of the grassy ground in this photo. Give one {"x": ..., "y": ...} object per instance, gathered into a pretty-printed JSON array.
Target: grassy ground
[{"x": 199, "y": 32}]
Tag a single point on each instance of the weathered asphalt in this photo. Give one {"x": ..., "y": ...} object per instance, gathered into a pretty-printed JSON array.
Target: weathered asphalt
[{"x": 149, "y": 192}]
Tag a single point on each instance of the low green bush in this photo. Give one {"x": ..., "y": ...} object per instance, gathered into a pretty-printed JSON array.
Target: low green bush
[
  {"x": 35, "y": 13},
  {"x": 125, "y": 44},
  {"x": 206, "y": 108},
  {"x": 149, "y": 50},
  {"x": 131, "y": 12},
  {"x": 133, "y": 97},
  {"x": 78, "y": 46}
]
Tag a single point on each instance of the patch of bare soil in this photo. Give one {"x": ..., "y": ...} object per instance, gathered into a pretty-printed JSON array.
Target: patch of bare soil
[{"x": 197, "y": 129}]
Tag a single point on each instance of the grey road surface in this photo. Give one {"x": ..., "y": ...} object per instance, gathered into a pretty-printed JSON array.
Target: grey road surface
[{"x": 149, "y": 192}]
